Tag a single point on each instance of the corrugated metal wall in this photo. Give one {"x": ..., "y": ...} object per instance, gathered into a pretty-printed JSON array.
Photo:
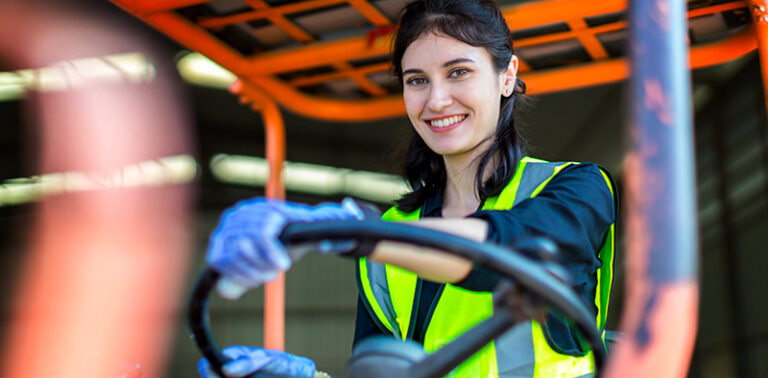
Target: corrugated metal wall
[{"x": 732, "y": 164}]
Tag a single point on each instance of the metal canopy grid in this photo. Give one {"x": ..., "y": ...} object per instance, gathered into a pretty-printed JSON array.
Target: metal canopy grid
[{"x": 327, "y": 59}]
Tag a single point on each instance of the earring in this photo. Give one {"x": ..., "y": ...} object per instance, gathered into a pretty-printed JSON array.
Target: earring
[{"x": 508, "y": 92}]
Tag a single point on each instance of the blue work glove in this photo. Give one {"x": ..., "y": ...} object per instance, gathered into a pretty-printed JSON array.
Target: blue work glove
[
  {"x": 246, "y": 360},
  {"x": 245, "y": 247}
]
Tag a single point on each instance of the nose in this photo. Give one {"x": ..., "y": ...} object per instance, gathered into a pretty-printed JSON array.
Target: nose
[{"x": 439, "y": 97}]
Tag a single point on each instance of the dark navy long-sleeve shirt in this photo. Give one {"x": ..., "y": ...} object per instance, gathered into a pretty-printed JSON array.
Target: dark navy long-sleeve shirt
[{"x": 574, "y": 210}]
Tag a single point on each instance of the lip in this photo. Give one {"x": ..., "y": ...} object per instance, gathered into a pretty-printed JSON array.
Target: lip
[{"x": 447, "y": 128}]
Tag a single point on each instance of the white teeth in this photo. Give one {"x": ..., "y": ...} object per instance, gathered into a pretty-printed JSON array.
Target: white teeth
[{"x": 446, "y": 121}]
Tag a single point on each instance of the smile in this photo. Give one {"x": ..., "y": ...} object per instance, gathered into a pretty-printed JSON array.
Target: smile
[{"x": 447, "y": 122}]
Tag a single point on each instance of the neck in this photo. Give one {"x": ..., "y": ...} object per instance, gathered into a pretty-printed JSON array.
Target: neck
[{"x": 460, "y": 197}]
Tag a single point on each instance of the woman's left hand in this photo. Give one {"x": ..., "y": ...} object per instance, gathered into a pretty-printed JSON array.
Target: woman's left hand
[{"x": 245, "y": 247}]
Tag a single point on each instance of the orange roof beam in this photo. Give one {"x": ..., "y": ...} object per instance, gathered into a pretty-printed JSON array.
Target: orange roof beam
[
  {"x": 722, "y": 51},
  {"x": 291, "y": 29},
  {"x": 759, "y": 9},
  {"x": 268, "y": 12},
  {"x": 528, "y": 15},
  {"x": 579, "y": 30},
  {"x": 326, "y": 109},
  {"x": 562, "y": 36},
  {"x": 588, "y": 39},
  {"x": 317, "y": 79},
  {"x": 359, "y": 48},
  {"x": 361, "y": 80},
  {"x": 314, "y": 55},
  {"x": 192, "y": 36},
  {"x": 608, "y": 71},
  {"x": 140, "y": 7},
  {"x": 258, "y": 68},
  {"x": 571, "y": 77},
  {"x": 288, "y": 27},
  {"x": 325, "y": 53},
  {"x": 370, "y": 12},
  {"x": 618, "y": 25},
  {"x": 276, "y": 16},
  {"x": 716, "y": 9}
]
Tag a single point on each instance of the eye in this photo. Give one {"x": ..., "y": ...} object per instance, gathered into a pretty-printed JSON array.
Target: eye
[
  {"x": 458, "y": 72},
  {"x": 416, "y": 81}
]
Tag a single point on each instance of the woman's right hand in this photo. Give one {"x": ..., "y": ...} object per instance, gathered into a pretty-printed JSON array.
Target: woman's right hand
[
  {"x": 245, "y": 247},
  {"x": 246, "y": 360}
]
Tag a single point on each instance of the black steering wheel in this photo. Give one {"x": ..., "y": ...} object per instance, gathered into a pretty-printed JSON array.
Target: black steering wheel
[{"x": 403, "y": 358}]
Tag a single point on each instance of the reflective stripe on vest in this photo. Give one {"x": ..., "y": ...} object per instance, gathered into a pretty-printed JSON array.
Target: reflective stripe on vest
[{"x": 389, "y": 293}]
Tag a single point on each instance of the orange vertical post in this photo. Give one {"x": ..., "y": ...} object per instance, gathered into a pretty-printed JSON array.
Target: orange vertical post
[
  {"x": 274, "y": 129},
  {"x": 274, "y": 292},
  {"x": 759, "y": 10}
]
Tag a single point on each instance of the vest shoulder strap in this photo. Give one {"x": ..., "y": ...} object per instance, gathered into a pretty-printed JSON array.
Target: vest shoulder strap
[
  {"x": 374, "y": 290},
  {"x": 377, "y": 281},
  {"x": 531, "y": 176}
]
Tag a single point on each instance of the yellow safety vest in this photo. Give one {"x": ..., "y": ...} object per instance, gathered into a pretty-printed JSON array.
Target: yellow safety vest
[{"x": 390, "y": 295}]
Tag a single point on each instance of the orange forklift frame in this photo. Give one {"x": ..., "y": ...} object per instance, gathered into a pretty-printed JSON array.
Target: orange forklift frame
[
  {"x": 259, "y": 82},
  {"x": 260, "y": 71}
]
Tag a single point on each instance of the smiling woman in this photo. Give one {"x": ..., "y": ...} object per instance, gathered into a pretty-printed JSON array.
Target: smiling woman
[
  {"x": 447, "y": 96},
  {"x": 466, "y": 162},
  {"x": 457, "y": 66},
  {"x": 469, "y": 176}
]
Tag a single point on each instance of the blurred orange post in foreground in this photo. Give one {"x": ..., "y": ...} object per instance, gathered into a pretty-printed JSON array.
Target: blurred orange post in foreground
[
  {"x": 660, "y": 315},
  {"x": 102, "y": 275}
]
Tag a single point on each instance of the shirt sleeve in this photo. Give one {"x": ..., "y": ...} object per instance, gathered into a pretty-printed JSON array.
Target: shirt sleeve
[{"x": 574, "y": 210}]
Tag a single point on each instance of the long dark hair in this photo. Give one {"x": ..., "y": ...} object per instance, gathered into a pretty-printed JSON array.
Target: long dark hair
[{"x": 478, "y": 23}]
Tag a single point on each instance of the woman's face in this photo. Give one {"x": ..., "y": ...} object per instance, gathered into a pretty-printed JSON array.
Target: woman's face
[{"x": 452, "y": 93}]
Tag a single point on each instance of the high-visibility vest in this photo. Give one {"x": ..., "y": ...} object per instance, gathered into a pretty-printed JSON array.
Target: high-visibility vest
[{"x": 390, "y": 295}]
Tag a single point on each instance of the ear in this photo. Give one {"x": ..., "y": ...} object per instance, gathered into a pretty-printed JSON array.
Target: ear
[{"x": 509, "y": 77}]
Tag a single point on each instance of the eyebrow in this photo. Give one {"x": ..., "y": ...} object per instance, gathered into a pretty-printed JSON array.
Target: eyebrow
[{"x": 446, "y": 64}]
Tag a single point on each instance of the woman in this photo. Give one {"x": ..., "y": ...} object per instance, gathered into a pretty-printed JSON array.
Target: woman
[{"x": 470, "y": 177}]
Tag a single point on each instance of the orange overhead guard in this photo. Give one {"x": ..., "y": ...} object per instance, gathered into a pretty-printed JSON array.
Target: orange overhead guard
[{"x": 341, "y": 76}]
